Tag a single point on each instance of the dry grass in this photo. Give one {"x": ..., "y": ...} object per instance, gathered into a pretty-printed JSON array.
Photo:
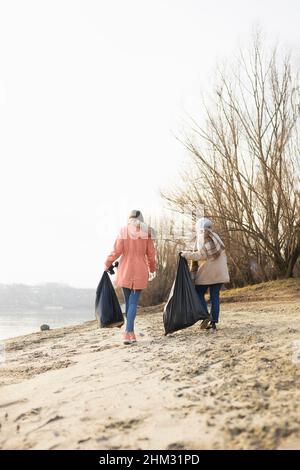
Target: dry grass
[{"x": 284, "y": 289}]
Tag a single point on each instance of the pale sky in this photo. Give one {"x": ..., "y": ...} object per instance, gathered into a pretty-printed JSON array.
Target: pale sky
[{"x": 91, "y": 93}]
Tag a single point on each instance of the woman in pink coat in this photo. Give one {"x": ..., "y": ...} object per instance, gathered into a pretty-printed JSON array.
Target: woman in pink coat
[{"x": 136, "y": 248}]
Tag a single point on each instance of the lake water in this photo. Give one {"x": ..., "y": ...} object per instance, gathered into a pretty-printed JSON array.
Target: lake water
[{"x": 14, "y": 323}]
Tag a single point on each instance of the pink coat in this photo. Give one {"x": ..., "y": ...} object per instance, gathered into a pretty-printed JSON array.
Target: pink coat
[{"x": 137, "y": 253}]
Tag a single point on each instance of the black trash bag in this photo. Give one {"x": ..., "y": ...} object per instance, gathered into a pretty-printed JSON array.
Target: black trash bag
[
  {"x": 183, "y": 308},
  {"x": 107, "y": 308}
]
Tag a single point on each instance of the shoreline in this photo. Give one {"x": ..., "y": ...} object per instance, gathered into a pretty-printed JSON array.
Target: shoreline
[
  {"x": 141, "y": 310},
  {"x": 79, "y": 387}
]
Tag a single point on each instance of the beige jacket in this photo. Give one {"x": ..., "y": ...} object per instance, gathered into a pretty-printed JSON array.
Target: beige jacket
[{"x": 211, "y": 271}]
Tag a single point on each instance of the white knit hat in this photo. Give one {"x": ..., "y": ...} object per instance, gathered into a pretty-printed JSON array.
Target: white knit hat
[{"x": 203, "y": 223}]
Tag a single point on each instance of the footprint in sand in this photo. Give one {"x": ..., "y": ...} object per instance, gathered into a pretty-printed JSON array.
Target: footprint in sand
[
  {"x": 55, "y": 418},
  {"x": 102, "y": 438},
  {"x": 82, "y": 441},
  {"x": 177, "y": 446},
  {"x": 126, "y": 424},
  {"x": 10, "y": 403},
  {"x": 28, "y": 414}
]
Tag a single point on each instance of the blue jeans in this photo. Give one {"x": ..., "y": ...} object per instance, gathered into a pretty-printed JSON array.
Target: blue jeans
[
  {"x": 131, "y": 300},
  {"x": 214, "y": 292}
]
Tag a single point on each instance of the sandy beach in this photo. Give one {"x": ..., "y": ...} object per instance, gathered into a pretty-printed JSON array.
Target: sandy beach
[{"x": 81, "y": 388}]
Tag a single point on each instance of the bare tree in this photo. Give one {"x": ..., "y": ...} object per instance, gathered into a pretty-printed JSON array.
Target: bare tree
[{"x": 246, "y": 162}]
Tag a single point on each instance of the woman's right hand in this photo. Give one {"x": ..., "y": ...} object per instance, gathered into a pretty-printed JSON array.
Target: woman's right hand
[{"x": 152, "y": 276}]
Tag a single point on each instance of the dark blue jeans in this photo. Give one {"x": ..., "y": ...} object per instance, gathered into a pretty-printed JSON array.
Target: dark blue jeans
[
  {"x": 131, "y": 300},
  {"x": 214, "y": 292}
]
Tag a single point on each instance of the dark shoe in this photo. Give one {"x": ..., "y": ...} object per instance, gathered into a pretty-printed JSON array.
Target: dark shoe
[
  {"x": 204, "y": 324},
  {"x": 212, "y": 326}
]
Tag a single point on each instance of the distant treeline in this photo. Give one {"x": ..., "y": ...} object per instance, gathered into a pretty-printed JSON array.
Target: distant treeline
[{"x": 21, "y": 296}]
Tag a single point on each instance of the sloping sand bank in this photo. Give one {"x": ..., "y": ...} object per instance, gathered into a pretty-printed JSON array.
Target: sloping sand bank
[{"x": 81, "y": 388}]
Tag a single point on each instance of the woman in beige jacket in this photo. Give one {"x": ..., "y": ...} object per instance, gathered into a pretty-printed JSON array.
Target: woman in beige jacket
[{"x": 213, "y": 270}]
